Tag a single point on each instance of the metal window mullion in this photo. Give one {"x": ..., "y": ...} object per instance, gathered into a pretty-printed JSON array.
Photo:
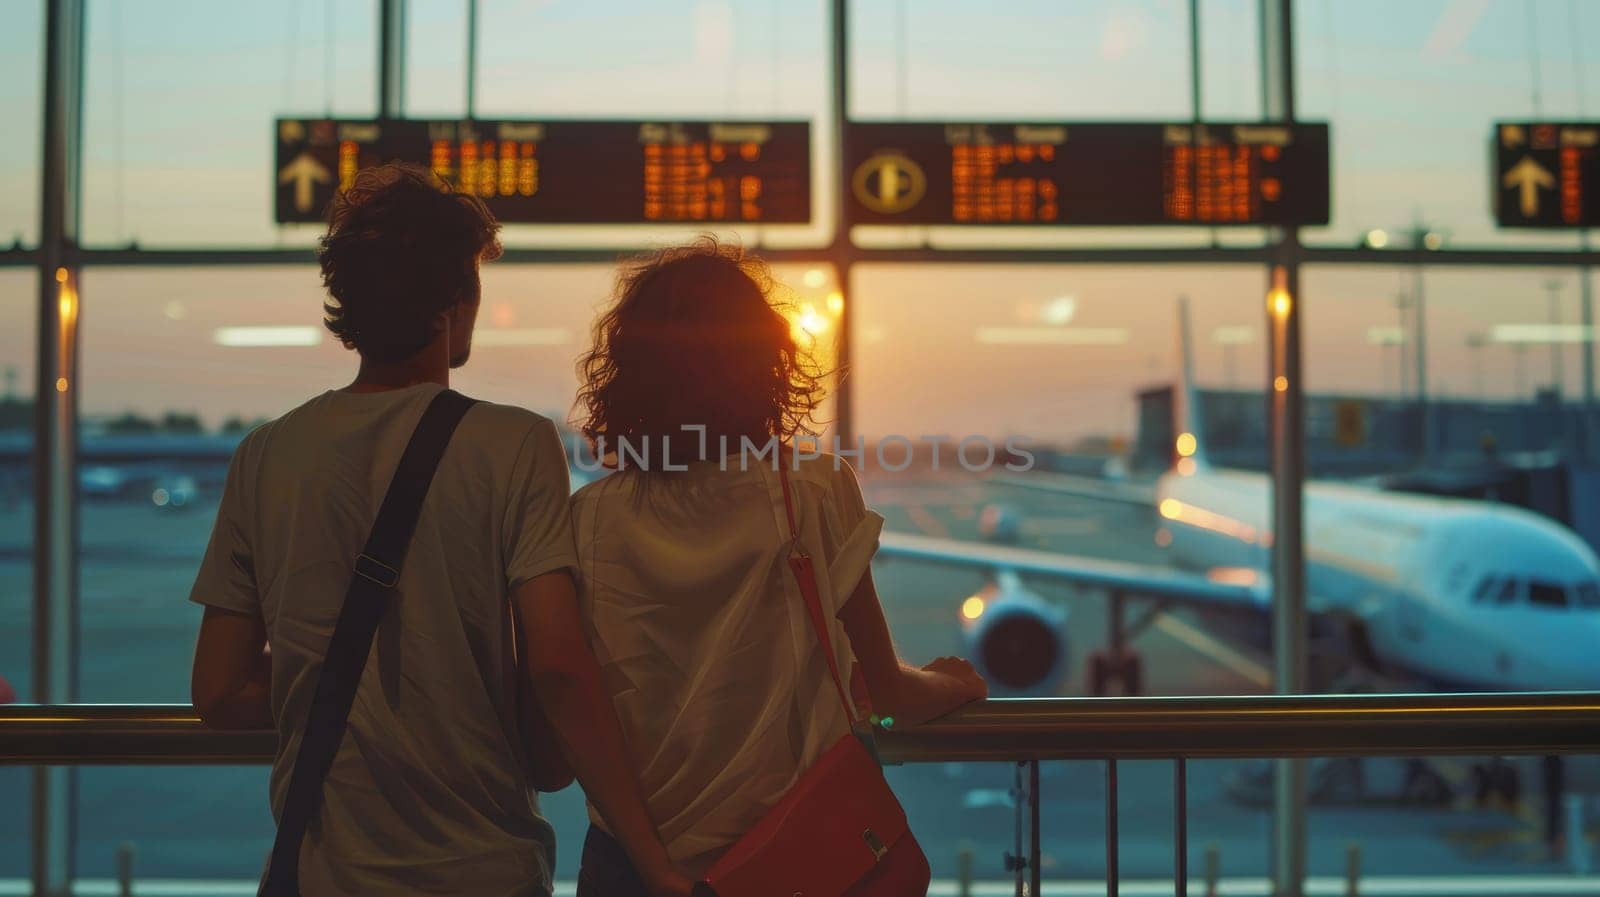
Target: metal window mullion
[
  {"x": 391, "y": 58},
  {"x": 1285, "y": 396},
  {"x": 55, "y": 549},
  {"x": 840, "y": 251}
]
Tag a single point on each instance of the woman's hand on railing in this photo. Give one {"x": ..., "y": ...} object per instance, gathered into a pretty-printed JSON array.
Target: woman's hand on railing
[{"x": 936, "y": 689}]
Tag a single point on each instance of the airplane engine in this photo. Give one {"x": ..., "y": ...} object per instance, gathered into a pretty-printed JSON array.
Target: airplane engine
[{"x": 1016, "y": 639}]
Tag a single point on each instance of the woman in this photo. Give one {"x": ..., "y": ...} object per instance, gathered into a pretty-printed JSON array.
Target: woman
[{"x": 706, "y": 648}]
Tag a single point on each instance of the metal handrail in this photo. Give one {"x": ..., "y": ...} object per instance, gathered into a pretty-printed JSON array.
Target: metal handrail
[{"x": 1033, "y": 729}]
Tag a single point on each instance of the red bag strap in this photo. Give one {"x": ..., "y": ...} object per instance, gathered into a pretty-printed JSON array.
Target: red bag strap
[{"x": 805, "y": 576}]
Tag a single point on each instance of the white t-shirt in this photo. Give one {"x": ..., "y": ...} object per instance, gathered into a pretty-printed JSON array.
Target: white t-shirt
[
  {"x": 706, "y": 647},
  {"x": 427, "y": 794}
]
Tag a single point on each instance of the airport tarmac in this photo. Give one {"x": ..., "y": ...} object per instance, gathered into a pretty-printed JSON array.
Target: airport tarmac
[{"x": 138, "y": 629}]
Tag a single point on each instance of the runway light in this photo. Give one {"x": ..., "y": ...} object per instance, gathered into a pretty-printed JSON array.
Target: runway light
[
  {"x": 815, "y": 278},
  {"x": 1280, "y": 383},
  {"x": 1377, "y": 238},
  {"x": 1171, "y": 508},
  {"x": 266, "y": 337},
  {"x": 1186, "y": 445},
  {"x": 972, "y": 608}
]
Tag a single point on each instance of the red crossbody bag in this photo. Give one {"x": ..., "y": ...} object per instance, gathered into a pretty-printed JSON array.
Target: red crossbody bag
[{"x": 839, "y": 831}]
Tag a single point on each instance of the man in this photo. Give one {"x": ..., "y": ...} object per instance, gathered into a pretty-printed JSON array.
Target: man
[{"x": 428, "y": 793}]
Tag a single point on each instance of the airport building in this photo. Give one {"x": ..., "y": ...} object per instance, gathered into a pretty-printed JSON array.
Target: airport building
[{"x": 1222, "y": 372}]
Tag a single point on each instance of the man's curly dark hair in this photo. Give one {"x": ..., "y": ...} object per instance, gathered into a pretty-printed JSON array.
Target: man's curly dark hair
[
  {"x": 695, "y": 337},
  {"x": 402, "y": 246}
]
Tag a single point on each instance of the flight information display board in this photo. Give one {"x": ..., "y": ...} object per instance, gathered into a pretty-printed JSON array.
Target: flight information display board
[
  {"x": 1099, "y": 174},
  {"x": 1544, "y": 172},
  {"x": 564, "y": 172}
]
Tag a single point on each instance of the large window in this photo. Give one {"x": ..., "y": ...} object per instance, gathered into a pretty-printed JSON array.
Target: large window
[
  {"x": 178, "y": 112},
  {"x": 1412, "y": 101},
  {"x": 1479, "y": 399},
  {"x": 20, "y": 64}
]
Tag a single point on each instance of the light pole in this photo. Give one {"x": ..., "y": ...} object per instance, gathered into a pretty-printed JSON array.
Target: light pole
[
  {"x": 1475, "y": 344},
  {"x": 1230, "y": 338},
  {"x": 1557, "y": 368},
  {"x": 1422, "y": 238},
  {"x": 1402, "y": 304}
]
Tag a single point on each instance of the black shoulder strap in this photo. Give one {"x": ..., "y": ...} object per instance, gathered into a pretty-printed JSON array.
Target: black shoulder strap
[{"x": 377, "y": 569}]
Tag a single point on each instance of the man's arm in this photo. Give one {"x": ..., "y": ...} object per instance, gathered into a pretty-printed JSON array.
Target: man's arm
[
  {"x": 231, "y": 684},
  {"x": 565, "y": 676}
]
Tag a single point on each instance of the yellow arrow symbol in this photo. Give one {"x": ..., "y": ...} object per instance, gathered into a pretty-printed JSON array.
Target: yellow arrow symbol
[
  {"x": 304, "y": 172},
  {"x": 1529, "y": 176}
]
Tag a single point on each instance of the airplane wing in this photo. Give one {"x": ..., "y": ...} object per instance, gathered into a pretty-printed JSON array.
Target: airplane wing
[
  {"x": 1081, "y": 487},
  {"x": 1135, "y": 579}
]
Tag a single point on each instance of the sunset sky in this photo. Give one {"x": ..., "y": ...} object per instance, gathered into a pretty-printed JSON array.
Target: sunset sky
[{"x": 181, "y": 96}]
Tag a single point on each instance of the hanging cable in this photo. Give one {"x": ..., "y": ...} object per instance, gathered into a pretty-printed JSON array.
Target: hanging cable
[
  {"x": 1333, "y": 59},
  {"x": 1574, "y": 32},
  {"x": 291, "y": 46},
  {"x": 902, "y": 48},
  {"x": 328, "y": 23},
  {"x": 120, "y": 77},
  {"x": 777, "y": 56},
  {"x": 1533, "y": 58}
]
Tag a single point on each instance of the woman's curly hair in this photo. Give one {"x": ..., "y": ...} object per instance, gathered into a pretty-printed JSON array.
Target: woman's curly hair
[
  {"x": 402, "y": 246},
  {"x": 695, "y": 337}
]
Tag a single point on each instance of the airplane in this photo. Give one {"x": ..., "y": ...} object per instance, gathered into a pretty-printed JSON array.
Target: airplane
[{"x": 1459, "y": 593}]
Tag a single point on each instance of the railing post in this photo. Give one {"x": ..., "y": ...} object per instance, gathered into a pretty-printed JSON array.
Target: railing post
[
  {"x": 1352, "y": 869},
  {"x": 1113, "y": 844},
  {"x": 1180, "y": 827},
  {"x": 1034, "y": 864},
  {"x": 125, "y": 854}
]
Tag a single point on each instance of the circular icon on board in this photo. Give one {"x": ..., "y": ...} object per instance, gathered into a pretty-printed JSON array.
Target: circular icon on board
[{"x": 889, "y": 183}]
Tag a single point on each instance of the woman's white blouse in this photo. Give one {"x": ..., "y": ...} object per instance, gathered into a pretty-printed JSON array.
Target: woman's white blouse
[{"x": 708, "y": 654}]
